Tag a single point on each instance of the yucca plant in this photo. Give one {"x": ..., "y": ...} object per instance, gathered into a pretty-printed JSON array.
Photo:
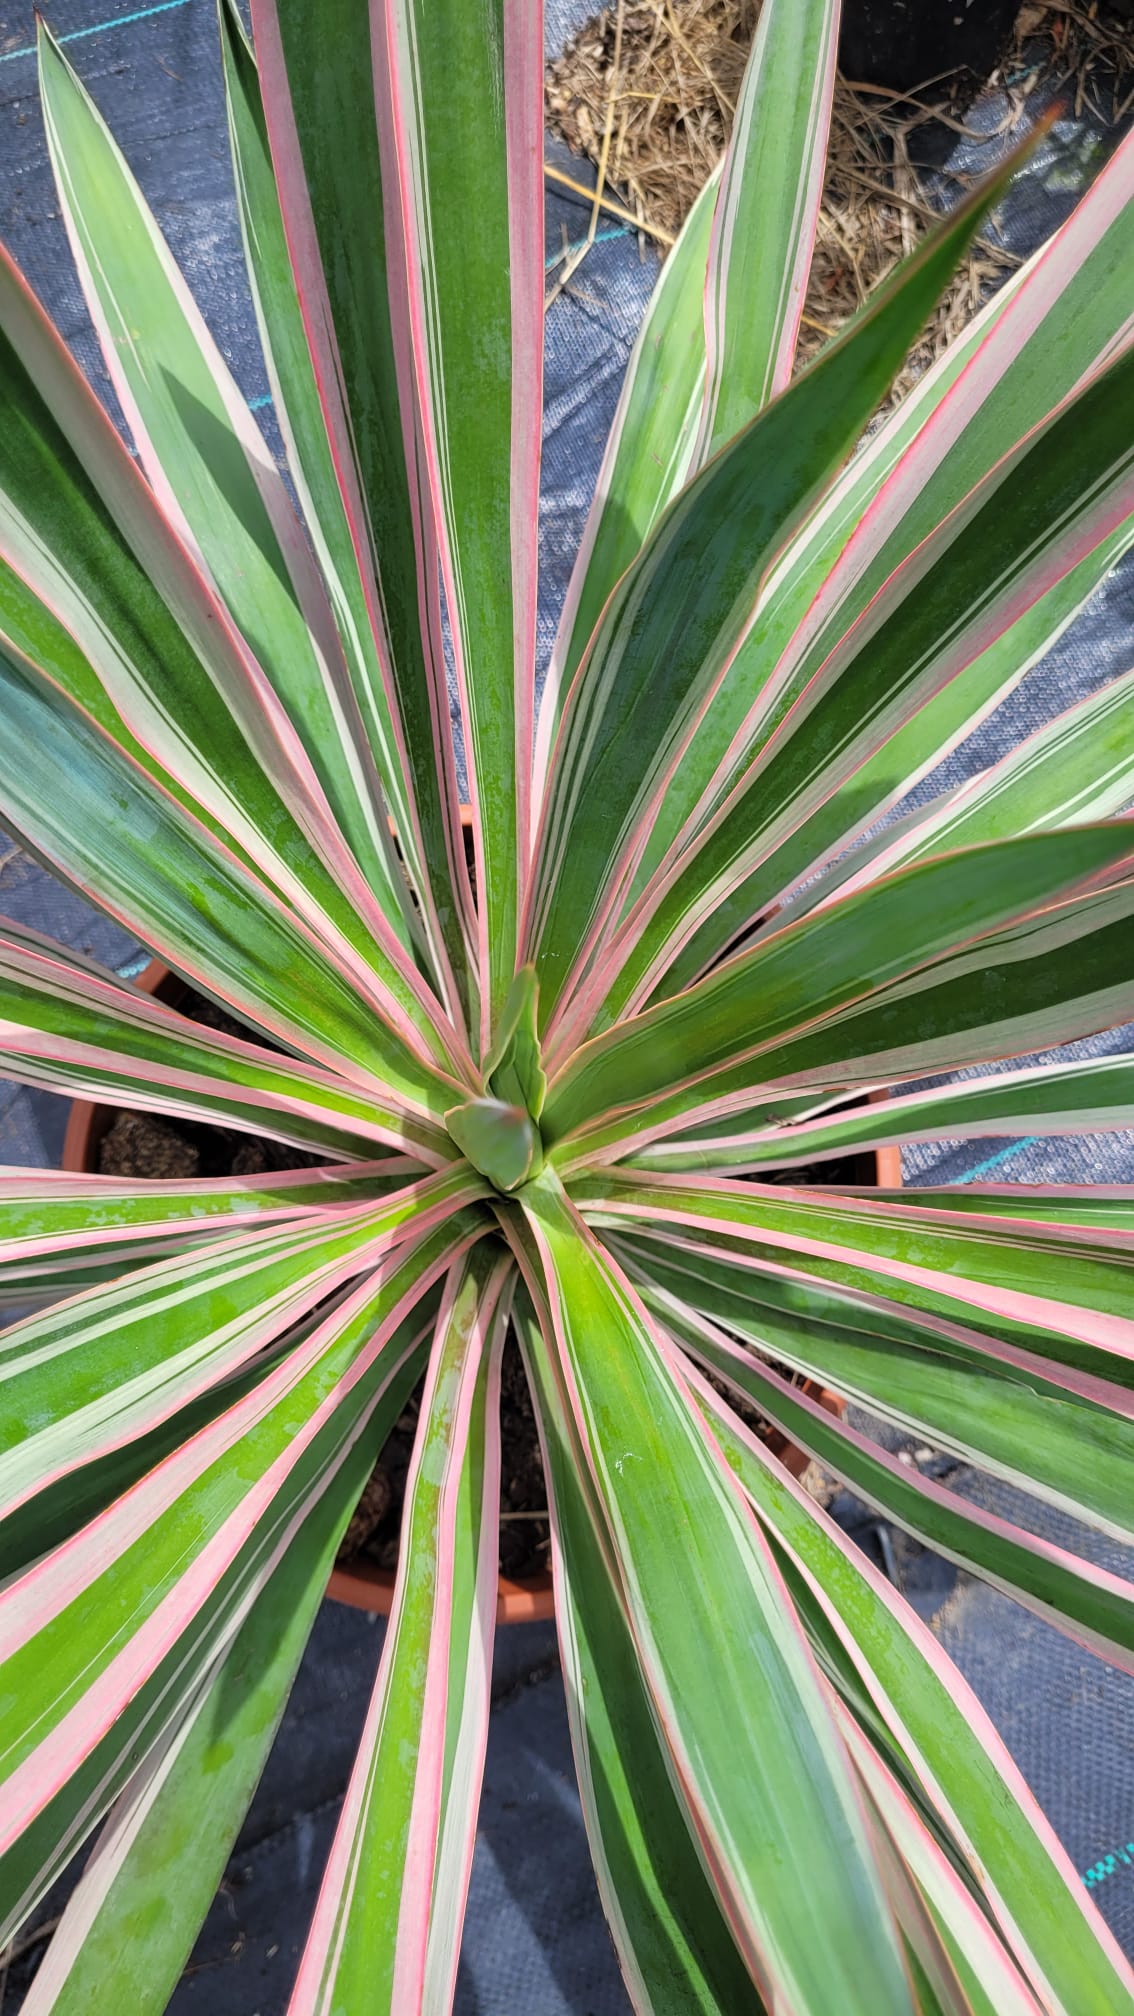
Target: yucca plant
[{"x": 551, "y": 1096}]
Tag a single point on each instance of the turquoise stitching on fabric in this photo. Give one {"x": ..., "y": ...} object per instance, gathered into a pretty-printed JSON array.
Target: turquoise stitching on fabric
[
  {"x": 600, "y": 238},
  {"x": 1001, "y": 1155},
  {"x": 97, "y": 27},
  {"x": 137, "y": 963},
  {"x": 1108, "y": 1865}
]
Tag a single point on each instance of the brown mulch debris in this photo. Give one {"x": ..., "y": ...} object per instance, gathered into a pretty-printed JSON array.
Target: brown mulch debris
[{"x": 670, "y": 110}]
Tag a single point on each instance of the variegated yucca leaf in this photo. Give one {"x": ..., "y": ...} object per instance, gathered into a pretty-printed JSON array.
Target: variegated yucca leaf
[{"x": 543, "y": 1091}]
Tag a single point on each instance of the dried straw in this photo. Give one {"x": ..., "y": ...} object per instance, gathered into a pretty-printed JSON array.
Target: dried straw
[
  {"x": 658, "y": 119},
  {"x": 1089, "y": 49}
]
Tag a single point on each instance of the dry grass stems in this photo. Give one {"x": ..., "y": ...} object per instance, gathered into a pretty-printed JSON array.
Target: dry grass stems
[
  {"x": 647, "y": 91},
  {"x": 1089, "y": 48}
]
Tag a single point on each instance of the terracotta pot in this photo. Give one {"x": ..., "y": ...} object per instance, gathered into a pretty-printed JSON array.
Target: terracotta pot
[{"x": 362, "y": 1586}]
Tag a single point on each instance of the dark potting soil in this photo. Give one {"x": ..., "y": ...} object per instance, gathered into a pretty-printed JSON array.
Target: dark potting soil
[
  {"x": 848, "y": 1171},
  {"x": 146, "y": 1146},
  {"x": 525, "y": 1535}
]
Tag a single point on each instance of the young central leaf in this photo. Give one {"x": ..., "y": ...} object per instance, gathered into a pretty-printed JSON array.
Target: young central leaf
[
  {"x": 513, "y": 1068},
  {"x": 499, "y": 1139},
  {"x": 499, "y": 1133}
]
